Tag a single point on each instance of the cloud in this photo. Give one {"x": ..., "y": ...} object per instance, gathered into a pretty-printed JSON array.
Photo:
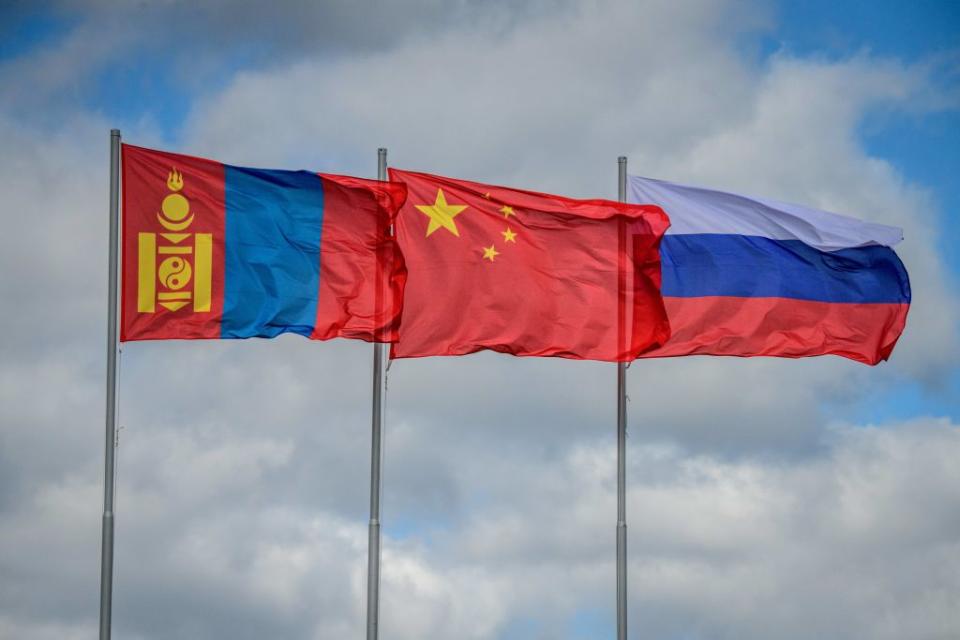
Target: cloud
[
  {"x": 726, "y": 549},
  {"x": 552, "y": 105},
  {"x": 243, "y": 466},
  {"x": 805, "y": 116},
  {"x": 441, "y": 107},
  {"x": 112, "y": 52}
]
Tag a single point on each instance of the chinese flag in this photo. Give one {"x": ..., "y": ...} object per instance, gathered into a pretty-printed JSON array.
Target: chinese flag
[{"x": 525, "y": 273}]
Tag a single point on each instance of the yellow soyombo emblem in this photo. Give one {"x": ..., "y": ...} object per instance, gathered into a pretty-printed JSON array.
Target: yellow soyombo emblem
[{"x": 180, "y": 261}]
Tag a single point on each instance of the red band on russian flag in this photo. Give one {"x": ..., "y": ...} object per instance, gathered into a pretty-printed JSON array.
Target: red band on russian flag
[{"x": 720, "y": 325}]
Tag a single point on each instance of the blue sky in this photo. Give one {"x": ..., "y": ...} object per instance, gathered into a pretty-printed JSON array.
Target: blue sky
[
  {"x": 498, "y": 490},
  {"x": 924, "y": 146}
]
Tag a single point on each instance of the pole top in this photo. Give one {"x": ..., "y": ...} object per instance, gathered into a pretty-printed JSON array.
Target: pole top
[
  {"x": 382, "y": 163},
  {"x": 115, "y": 132}
]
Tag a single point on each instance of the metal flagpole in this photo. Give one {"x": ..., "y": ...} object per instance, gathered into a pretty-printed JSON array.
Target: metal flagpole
[
  {"x": 376, "y": 464},
  {"x": 106, "y": 549},
  {"x": 622, "y": 453}
]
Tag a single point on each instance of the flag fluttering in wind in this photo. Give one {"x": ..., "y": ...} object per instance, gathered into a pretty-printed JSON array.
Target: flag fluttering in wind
[
  {"x": 216, "y": 251},
  {"x": 745, "y": 276},
  {"x": 526, "y": 273}
]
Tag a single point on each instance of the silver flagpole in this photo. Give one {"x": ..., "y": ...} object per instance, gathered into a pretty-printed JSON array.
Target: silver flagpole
[
  {"x": 622, "y": 455},
  {"x": 376, "y": 463},
  {"x": 106, "y": 549}
]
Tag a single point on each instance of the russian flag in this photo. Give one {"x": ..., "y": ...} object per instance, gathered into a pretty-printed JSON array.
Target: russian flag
[
  {"x": 215, "y": 251},
  {"x": 746, "y": 276}
]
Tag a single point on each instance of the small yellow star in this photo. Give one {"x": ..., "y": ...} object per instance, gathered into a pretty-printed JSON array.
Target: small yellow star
[
  {"x": 509, "y": 235},
  {"x": 489, "y": 253},
  {"x": 487, "y": 196},
  {"x": 441, "y": 214},
  {"x": 507, "y": 211}
]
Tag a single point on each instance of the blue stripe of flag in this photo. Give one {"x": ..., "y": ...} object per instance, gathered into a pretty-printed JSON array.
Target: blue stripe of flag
[
  {"x": 696, "y": 265},
  {"x": 272, "y": 246}
]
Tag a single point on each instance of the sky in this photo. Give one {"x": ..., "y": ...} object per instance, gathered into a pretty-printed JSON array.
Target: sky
[{"x": 766, "y": 498}]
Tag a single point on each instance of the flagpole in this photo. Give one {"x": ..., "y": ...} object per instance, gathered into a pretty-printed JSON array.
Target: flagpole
[
  {"x": 106, "y": 549},
  {"x": 376, "y": 464},
  {"x": 622, "y": 453}
]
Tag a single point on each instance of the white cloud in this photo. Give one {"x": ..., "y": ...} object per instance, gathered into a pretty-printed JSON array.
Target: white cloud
[
  {"x": 243, "y": 465},
  {"x": 552, "y": 105}
]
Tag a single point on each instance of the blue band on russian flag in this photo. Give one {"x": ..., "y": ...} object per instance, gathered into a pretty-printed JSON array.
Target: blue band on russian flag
[
  {"x": 272, "y": 252},
  {"x": 750, "y": 266}
]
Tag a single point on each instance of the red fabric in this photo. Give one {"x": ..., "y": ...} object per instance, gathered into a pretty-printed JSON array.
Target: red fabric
[
  {"x": 733, "y": 326},
  {"x": 361, "y": 271},
  {"x": 581, "y": 280},
  {"x": 144, "y": 175},
  {"x": 361, "y": 277}
]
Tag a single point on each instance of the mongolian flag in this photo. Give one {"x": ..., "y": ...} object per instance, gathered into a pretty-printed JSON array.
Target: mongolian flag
[
  {"x": 746, "y": 276},
  {"x": 215, "y": 251},
  {"x": 527, "y": 273}
]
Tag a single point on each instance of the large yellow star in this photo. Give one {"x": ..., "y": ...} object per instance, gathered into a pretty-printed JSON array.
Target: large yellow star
[
  {"x": 489, "y": 253},
  {"x": 442, "y": 214}
]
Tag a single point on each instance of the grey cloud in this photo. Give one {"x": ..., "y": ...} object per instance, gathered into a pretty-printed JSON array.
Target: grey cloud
[
  {"x": 243, "y": 466},
  {"x": 194, "y": 45},
  {"x": 729, "y": 549},
  {"x": 263, "y": 30}
]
